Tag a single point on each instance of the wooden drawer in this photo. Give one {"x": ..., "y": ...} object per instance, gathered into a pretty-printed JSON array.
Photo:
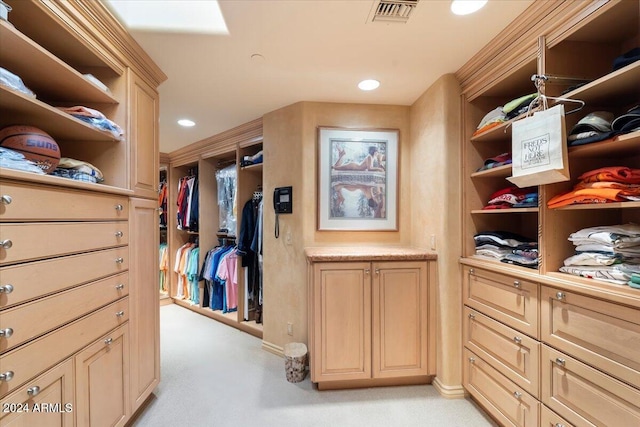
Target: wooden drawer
[
  {"x": 584, "y": 395},
  {"x": 31, "y": 241},
  {"x": 515, "y": 355},
  {"x": 504, "y": 400},
  {"x": 29, "y": 360},
  {"x": 44, "y": 203},
  {"x": 27, "y": 279},
  {"x": 54, "y": 387},
  {"x": 33, "y": 319},
  {"x": 600, "y": 333},
  {"x": 548, "y": 418},
  {"x": 507, "y": 299}
]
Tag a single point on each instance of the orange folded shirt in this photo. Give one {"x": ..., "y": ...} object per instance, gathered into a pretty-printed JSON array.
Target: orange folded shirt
[
  {"x": 612, "y": 173},
  {"x": 587, "y": 195}
]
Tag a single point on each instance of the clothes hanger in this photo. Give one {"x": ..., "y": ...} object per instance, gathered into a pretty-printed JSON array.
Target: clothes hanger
[{"x": 539, "y": 81}]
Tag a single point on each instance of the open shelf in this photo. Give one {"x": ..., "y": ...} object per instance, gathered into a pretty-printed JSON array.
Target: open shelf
[
  {"x": 497, "y": 172},
  {"x": 619, "y": 87},
  {"x": 43, "y": 73},
  {"x": 615, "y": 205},
  {"x": 619, "y": 146},
  {"x": 504, "y": 211},
  {"x": 17, "y": 108}
]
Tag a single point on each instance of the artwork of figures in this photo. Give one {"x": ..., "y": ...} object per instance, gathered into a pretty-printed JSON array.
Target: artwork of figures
[{"x": 358, "y": 179}]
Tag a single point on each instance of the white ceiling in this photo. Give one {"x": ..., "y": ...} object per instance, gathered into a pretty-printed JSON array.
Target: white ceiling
[{"x": 314, "y": 50}]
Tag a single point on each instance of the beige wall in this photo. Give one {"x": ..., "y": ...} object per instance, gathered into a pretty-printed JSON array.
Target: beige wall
[
  {"x": 428, "y": 203},
  {"x": 436, "y": 198}
]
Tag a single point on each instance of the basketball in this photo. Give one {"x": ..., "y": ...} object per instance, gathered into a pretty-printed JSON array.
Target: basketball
[{"x": 35, "y": 144}]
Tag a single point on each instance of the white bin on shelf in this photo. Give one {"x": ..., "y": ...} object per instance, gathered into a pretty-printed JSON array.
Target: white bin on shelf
[{"x": 295, "y": 361}]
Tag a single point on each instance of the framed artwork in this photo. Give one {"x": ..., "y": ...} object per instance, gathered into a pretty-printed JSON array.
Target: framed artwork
[{"x": 357, "y": 179}]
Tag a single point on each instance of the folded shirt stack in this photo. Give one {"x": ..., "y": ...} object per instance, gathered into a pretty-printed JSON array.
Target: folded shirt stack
[
  {"x": 12, "y": 159},
  {"x": 14, "y": 82},
  {"x": 512, "y": 198},
  {"x": 507, "y": 247},
  {"x": 95, "y": 118},
  {"x": 494, "y": 162},
  {"x": 634, "y": 282},
  {"x": 607, "y": 253},
  {"x": 603, "y": 185},
  {"x": 78, "y": 170},
  {"x": 505, "y": 113}
]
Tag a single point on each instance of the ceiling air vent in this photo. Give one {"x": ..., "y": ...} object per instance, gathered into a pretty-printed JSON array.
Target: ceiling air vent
[{"x": 393, "y": 10}]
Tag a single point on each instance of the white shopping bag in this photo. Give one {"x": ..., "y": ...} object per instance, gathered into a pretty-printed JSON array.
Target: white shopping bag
[{"x": 539, "y": 149}]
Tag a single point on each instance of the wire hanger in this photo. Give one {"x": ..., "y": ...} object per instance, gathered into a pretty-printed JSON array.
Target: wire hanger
[{"x": 539, "y": 81}]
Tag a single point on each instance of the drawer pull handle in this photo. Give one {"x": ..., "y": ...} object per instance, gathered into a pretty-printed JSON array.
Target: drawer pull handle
[
  {"x": 472, "y": 316},
  {"x": 6, "y": 332},
  {"x": 6, "y": 243},
  {"x": 108, "y": 341},
  {"x": 119, "y": 207},
  {"x": 517, "y": 340},
  {"x": 377, "y": 271},
  {"x": 559, "y": 425},
  {"x": 560, "y": 295},
  {"x": 119, "y": 260},
  {"x": 560, "y": 361},
  {"x": 7, "y": 376},
  {"x": 120, "y": 286},
  {"x": 472, "y": 271},
  {"x": 472, "y": 360},
  {"x": 33, "y": 391},
  {"x": 6, "y": 289},
  {"x": 6, "y": 199},
  {"x": 119, "y": 234},
  {"x": 120, "y": 314},
  {"x": 517, "y": 394},
  {"x": 516, "y": 283},
  {"x": 367, "y": 271}
]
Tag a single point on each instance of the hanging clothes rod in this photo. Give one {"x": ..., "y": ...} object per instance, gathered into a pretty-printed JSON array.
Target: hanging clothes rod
[{"x": 558, "y": 79}]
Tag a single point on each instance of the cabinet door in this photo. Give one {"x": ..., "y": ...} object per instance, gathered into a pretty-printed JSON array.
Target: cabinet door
[
  {"x": 143, "y": 132},
  {"x": 400, "y": 319},
  {"x": 102, "y": 387},
  {"x": 44, "y": 401},
  {"x": 341, "y": 348},
  {"x": 144, "y": 318}
]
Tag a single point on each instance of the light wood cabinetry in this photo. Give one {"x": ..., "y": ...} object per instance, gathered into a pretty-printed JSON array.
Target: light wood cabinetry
[
  {"x": 586, "y": 329},
  {"x": 144, "y": 320},
  {"x": 204, "y": 159},
  {"x": 102, "y": 386},
  {"x": 68, "y": 286},
  {"x": 370, "y": 321}
]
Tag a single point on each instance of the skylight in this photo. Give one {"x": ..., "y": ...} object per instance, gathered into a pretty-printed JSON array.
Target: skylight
[{"x": 177, "y": 16}]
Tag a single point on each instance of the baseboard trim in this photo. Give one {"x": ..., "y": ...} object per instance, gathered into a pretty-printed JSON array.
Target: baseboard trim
[
  {"x": 450, "y": 392},
  {"x": 272, "y": 348}
]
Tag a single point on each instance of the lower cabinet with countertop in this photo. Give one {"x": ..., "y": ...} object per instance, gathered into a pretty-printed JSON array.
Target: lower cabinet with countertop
[{"x": 371, "y": 316}]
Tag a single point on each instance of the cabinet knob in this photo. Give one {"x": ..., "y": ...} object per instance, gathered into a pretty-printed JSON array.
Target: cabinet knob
[
  {"x": 33, "y": 391},
  {"x": 559, "y": 425},
  {"x": 472, "y": 271},
  {"x": 367, "y": 271},
  {"x": 377, "y": 271},
  {"x": 108, "y": 341},
  {"x": 6, "y": 199},
  {"x": 6, "y": 243},
  {"x": 6, "y": 289},
  {"x": 119, "y": 260},
  {"x": 119, "y": 207},
  {"x": 472, "y": 316},
  {"x": 560, "y": 295},
  {"x": 119, "y": 234},
  {"x": 6, "y": 332},
  {"x": 120, "y": 314},
  {"x": 517, "y": 394},
  {"x": 120, "y": 286},
  {"x": 7, "y": 376},
  {"x": 472, "y": 360},
  {"x": 517, "y": 340},
  {"x": 516, "y": 284},
  {"x": 560, "y": 361}
]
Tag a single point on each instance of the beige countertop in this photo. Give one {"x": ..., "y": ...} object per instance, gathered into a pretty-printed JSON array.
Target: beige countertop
[{"x": 367, "y": 253}]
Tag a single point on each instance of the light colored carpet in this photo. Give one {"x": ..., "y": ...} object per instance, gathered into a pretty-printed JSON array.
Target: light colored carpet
[{"x": 215, "y": 375}]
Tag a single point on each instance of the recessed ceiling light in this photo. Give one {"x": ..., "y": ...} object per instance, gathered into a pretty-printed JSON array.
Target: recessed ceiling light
[
  {"x": 368, "y": 84},
  {"x": 465, "y": 7},
  {"x": 186, "y": 123}
]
